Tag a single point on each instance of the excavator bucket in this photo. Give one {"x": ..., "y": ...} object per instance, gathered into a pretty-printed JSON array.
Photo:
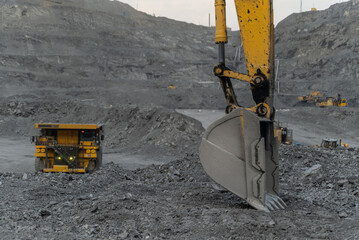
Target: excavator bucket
[{"x": 239, "y": 152}]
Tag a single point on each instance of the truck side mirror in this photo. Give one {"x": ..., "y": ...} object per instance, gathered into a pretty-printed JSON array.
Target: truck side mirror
[
  {"x": 32, "y": 139},
  {"x": 102, "y": 137}
]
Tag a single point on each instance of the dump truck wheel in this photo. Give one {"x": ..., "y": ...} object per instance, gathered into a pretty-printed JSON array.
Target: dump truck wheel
[
  {"x": 92, "y": 166},
  {"x": 99, "y": 159},
  {"x": 39, "y": 165}
]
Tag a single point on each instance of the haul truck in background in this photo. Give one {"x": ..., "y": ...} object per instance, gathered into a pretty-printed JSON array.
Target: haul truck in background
[
  {"x": 72, "y": 148},
  {"x": 283, "y": 134}
]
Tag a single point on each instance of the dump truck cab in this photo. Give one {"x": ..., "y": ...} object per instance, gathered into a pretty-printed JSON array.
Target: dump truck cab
[
  {"x": 342, "y": 103},
  {"x": 72, "y": 148}
]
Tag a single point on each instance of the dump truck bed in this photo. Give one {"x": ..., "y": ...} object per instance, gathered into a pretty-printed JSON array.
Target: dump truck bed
[{"x": 67, "y": 126}]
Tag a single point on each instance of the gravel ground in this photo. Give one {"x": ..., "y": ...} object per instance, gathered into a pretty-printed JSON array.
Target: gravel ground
[{"x": 178, "y": 201}]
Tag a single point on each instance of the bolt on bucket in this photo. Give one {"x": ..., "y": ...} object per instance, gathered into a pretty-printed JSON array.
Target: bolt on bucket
[{"x": 239, "y": 152}]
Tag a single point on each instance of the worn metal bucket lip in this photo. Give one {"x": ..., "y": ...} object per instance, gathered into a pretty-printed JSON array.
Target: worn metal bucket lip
[{"x": 225, "y": 154}]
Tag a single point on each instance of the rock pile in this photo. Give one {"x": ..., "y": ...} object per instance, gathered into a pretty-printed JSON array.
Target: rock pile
[{"x": 178, "y": 200}]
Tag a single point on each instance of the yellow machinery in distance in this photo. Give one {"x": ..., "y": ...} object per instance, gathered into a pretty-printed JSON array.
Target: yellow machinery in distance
[
  {"x": 333, "y": 101},
  {"x": 333, "y": 143},
  {"x": 311, "y": 98},
  {"x": 319, "y": 100},
  {"x": 240, "y": 151},
  {"x": 73, "y": 148}
]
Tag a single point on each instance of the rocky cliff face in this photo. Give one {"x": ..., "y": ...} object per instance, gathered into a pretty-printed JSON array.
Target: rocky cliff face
[
  {"x": 102, "y": 50},
  {"x": 109, "y": 52},
  {"x": 319, "y": 51}
]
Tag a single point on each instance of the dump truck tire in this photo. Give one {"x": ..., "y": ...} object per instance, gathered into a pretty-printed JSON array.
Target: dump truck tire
[
  {"x": 92, "y": 166},
  {"x": 39, "y": 165},
  {"x": 99, "y": 159}
]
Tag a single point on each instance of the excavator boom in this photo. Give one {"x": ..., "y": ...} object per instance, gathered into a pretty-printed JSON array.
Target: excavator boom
[
  {"x": 240, "y": 151},
  {"x": 257, "y": 32}
]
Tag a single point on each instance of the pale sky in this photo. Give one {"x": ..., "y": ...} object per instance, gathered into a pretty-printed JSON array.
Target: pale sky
[{"x": 197, "y": 11}]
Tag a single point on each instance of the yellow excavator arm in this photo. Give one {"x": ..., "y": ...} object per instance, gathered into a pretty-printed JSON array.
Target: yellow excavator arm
[
  {"x": 240, "y": 151},
  {"x": 255, "y": 20}
]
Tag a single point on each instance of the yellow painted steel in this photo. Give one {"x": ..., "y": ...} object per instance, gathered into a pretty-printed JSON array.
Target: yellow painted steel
[
  {"x": 332, "y": 102},
  {"x": 238, "y": 76},
  {"x": 89, "y": 148},
  {"x": 86, "y": 143},
  {"x": 38, "y": 155},
  {"x": 63, "y": 168},
  {"x": 66, "y": 126},
  {"x": 68, "y": 137},
  {"x": 60, "y": 168},
  {"x": 313, "y": 97},
  {"x": 343, "y": 103},
  {"x": 221, "y": 27},
  {"x": 254, "y": 109},
  {"x": 257, "y": 32}
]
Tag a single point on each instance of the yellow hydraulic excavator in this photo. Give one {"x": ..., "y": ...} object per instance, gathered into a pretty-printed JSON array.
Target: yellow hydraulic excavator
[
  {"x": 311, "y": 98},
  {"x": 322, "y": 101},
  {"x": 240, "y": 151}
]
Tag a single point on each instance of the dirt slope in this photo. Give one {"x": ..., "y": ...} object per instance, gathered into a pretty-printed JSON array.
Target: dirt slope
[
  {"x": 102, "y": 50},
  {"x": 128, "y": 128},
  {"x": 109, "y": 52},
  {"x": 319, "y": 51}
]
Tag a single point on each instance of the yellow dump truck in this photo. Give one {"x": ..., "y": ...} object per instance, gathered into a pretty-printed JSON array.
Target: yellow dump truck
[{"x": 72, "y": 148}]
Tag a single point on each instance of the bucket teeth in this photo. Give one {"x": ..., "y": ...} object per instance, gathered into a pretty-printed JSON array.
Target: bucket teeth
[
  {"x": 283, "y": 204},
  {"x": 274, "y": 202},
  {"x": 270, "y": 205}
]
